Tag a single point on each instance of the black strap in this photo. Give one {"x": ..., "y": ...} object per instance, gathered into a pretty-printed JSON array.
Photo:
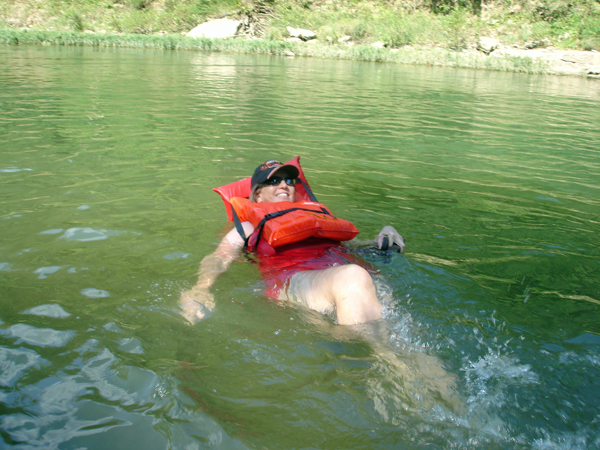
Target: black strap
[
  {"x": 308, "y": 191},
  {"x": 260, "y": 227},
  {"x": 239, "y": 227}
]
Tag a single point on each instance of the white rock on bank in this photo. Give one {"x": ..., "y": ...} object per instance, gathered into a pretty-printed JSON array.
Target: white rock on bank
[
  {"x": 218, "y": 28},
  {"x": 305, "y": 35},
  {"x": 487, "y": 44}
]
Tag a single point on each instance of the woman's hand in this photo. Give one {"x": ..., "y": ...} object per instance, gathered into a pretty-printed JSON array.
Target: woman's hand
[
  {"x": 393, "y": 237},
  {"x": 196, "y": 303}
]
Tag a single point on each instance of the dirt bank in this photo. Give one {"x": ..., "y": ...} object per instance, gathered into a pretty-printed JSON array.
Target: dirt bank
[{"x": 558, "y": 62}]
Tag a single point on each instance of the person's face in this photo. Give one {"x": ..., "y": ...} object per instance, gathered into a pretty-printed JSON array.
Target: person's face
[{"x": 276, "y": 193}]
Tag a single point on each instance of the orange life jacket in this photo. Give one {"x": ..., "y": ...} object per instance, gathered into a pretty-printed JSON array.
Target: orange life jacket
[{"x": 282, "y": 223}]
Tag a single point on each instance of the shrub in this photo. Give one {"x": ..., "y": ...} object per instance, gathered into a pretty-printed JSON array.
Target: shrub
[
  {"x": 458, "y": 31},
  {"x": 76, "y": 22}
]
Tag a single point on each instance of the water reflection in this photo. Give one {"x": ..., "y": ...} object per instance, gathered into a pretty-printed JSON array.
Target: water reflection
[
  {"x": 15, "y": 363},
  {"x": 54, "y": 310},
  {"x": 42, "y": 337}
]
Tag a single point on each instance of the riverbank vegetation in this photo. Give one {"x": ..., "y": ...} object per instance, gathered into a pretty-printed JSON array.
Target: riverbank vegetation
[
  {"x": 452, "y": 24},
  {"x": 431, "y": 32},
  {"x": 406, "y": 55}
]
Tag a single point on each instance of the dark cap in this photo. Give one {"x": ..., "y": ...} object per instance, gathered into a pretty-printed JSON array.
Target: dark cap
[{"x": 267, "y": 169}]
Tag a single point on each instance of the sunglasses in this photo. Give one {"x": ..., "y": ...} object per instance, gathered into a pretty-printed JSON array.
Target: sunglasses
[{"x": 276, "y": 181}]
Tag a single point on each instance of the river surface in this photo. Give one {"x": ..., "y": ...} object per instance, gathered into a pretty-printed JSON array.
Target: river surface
[{"x": 107, "y": 160}]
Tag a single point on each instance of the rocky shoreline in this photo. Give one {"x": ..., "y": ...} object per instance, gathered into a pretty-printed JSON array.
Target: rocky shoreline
[
  {"x": 462, "y": 39},
  {"x": 495, "y": 57},
  {"x": 559, "y": 62},
  {"x": 555, "y": 61}
]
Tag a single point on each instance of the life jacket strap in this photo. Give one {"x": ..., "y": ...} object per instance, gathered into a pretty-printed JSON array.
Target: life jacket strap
[
  {"x": 261, "y": 226},
  {"x": 239, "y": 227},
  {"x": 312, "y": 196}
]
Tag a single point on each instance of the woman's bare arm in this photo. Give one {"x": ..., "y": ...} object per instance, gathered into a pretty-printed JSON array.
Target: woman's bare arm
[{"x": 197, "y": 302}]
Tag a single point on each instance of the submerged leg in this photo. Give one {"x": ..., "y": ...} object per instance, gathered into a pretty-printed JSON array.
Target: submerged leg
[
  {"x": 349, "y": 290},
  {"x": 409, "y": 376}
]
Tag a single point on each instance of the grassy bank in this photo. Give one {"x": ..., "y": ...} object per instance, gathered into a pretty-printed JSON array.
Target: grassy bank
[
  {"x": 421, "y": 56},
  {"x": 433, "y": 32},
  {"x": 454, "y": 24}
]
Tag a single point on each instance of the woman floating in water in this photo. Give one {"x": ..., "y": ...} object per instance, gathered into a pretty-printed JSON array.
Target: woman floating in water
[
  {"x": 301, "y": 258},
  {"x": 297, "y": 241}
]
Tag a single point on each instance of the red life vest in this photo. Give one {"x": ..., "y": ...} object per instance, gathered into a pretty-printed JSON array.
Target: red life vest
[{"x": 282, "y": 223}]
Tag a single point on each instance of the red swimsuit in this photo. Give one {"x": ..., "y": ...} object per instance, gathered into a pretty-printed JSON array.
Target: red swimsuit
[{"x": 278, "y": 265}]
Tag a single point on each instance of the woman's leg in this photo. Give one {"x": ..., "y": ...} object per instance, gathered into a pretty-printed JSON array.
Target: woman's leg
[
  {"x": 348, "y": 289},
  {"x": 416, "y": 377}
]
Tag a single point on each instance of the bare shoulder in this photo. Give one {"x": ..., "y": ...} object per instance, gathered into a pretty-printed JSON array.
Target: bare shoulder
[{"x": 234, "y": 239}]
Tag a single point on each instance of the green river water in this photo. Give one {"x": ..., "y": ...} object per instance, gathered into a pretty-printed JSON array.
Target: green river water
[{"x": 107, "y": 160}]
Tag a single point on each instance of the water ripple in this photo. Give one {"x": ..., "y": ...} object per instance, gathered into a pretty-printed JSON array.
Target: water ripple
[
  {"x": 94, "y": 293},
  {"x": 51, "y": 310},
  {"x": 15, "y": 362},
  {"x": 87, "y": 234},
  {"x": 42, "y": 337}
]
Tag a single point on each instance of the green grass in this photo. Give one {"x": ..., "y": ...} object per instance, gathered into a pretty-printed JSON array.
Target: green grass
[
  {"x": 420, "y": 32},
  {"x": 399, "y": 23},
  {"x": 453, "y": 24},
  {"x": 113, "y": 16},
  {"x": 432, "y": 56}
]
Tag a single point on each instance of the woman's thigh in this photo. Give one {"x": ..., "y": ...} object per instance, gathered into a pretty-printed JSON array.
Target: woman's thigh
[
  {"x": 312, "y": 288},
  {"x": 347, "y": 289}
]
